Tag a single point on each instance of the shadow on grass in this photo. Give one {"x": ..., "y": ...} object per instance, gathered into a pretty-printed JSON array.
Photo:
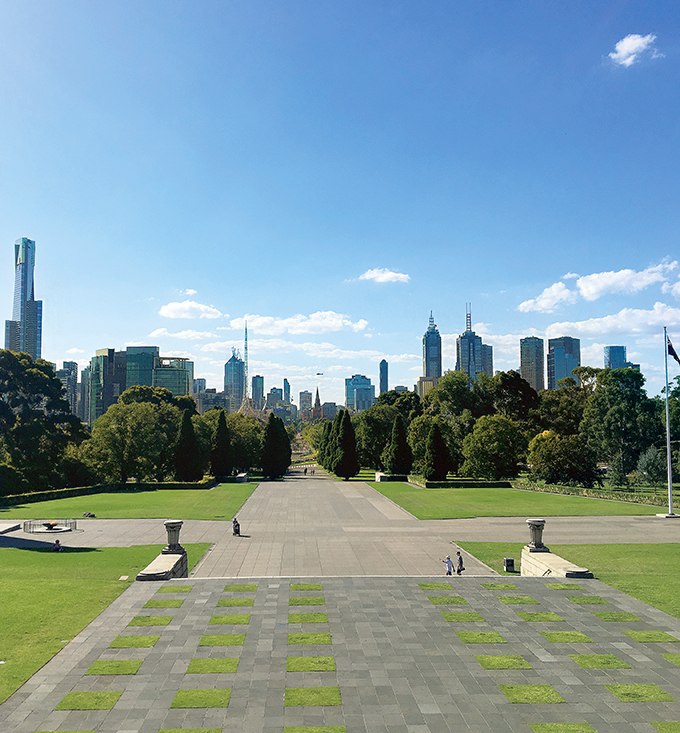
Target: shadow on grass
[{"x": 37, "y": 546}]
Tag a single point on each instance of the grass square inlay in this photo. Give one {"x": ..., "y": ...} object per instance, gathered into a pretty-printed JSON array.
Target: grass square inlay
[
  {"x": 89, "y": 701},
  {"x": 565, "y": 637},
  {"x": 562, "y": 728},
  {"x": 502, "y": 661},
  {"x": 312, "y": 696},
  {"x": 230, "y": 618},
  {"x": 310, "y": 664},
  {"x": 175, "y": 589},
  {"x": 164, "y": 603},
  {"x": 564, "y": 586},
  {"x": 307, "y": 601},
  {"x": 133, "y": 642},
  {"x": 640, "y": 693},
  {"x": 150, "y": 621},
  {"x": 672, "y": 658},
  {"x": 201, "y": 699},
  {"x": 587, "y": 600},
  {"x": 517, "y": 600},
  {"x": 244, "y": 587},
  {"x": 306, "y": 586},
  {"x": 222, "y": 640},
  {"x": 234, "y": 602},
  {"x": 313, "y": 729},
  {"x": 670, "y": 727},
  {"x": 480, "y": 637},
  {"x": 531, "y": 693},
  {"x": 448, "y": 600},
  {"x": 539, "y": 616},
  {"x": 500, "y": 586},
  {"x": 124, "y": 666},
  {"x": 598, "y": 661},
  {"x": 434, "y": 586},
  {"x": 649, "y": 636},
  {"x": 309, "y": 638},
  {"x": 307, "y": 618},
  {"x": 212, "y": 666},
  {"x": 462, "y": 616},
  {"x": 615, "y": 616}
]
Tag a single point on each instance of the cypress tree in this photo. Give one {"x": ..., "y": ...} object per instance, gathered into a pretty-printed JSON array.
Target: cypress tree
[
  {"x": 437, "y": 458},
  {"x": 398, "y": 456},
  {"x": 276, "y": 451},
  {"x": 323, "y": 443},
  {"x": 221, "y": 454},
  {"x": 187, "y": 452},
  {"x": 346, "y": 460},
  {"x": 331, "y": 447}
]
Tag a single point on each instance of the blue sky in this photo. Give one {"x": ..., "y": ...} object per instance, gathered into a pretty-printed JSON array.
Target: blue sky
[{"x": 335, "y": 170}]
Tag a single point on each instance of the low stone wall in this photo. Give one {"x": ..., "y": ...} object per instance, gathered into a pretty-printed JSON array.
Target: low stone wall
[
  {"x": 166, "y": 567},
  {"x": 379, "y": 477},
  {"x": 547, "y": 564}
]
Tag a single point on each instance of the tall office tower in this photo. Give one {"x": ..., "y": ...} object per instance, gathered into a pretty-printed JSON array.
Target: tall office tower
[
  {"x": 24, "y": 331},
  {"x": 286, "y": 391},
  {"x": 234, "y": 373},
  {"x": 329, "y": 410},
  {"x": 274, "y": 398},
  {"x": 472, "y": 356},
  {"x": 359, "y": 393},
  {"x": 305, "y": 401},
  {"x": 173, "y": 373},
  {"x": 199, "y": 385},
  {"x": 432, "y": 351},
  {"x": 564, "y": 355},
  {"x": 69, "y": 378},
  {"x": 316, "y": 410},
  {"x": 140, "y": 365},
  {"x": 531, "y": 361},
  {"x": 83, "y": 401},
  {"x": 615, "y": 358},
  {"x": 108, "y": 373},
  {"x": 383, "y": 377},
  {"x": 258, "y": 392}
]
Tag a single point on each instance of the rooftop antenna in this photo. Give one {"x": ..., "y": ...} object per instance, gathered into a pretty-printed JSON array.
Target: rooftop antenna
[
  {"x": 432, "y": 326},
  {"x": 245, "y": 367},
  {"x": 468, "y": 317}
]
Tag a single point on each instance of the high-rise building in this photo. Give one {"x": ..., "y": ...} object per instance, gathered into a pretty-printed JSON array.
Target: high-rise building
[
  {"x": 615, "y": 358},
  {"x": 305, "y": 401},
  {"x": 359, "y": 393},
  {"x": 173, "y": 373},
  {"x": 24, "y": 331},
  {"x": 472, "y": 356},
  {"x": 564, "y": 355},
  {"x": 531, "y": 360},
  {"x": 424, "y": 385},
  {"x": 69, "y": 378},
  {"x": 199, "y": 385},
  {"x": 108, "y": 372},
  {"x": 274, "y": 398},
  {"x": 258, "y": 392},
  {"x": 383, "y": 377},
  {"x": 329, "y": 410},
  {"x": 432, "y": 351},
  {"x": 286, "y": 391},
  {"x": 140, "y": 365},
  {"x": 234, "y": 375},
  {"x": 83, "y": 398}
]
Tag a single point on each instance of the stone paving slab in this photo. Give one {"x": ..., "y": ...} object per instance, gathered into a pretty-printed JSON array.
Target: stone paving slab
[{"x": 400, "y": 665}]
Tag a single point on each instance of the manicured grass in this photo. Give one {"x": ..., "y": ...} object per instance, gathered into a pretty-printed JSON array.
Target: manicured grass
[
  {"x": 307, "y": 601},
  {"x": 562, "y": 728},
  {"x": 531, "y": 693},
  {"x": 587, "y": 600},
  {"x": 640, "y": 693},
  {"x": 150, "y": 621},
  {"x": 243, "y": 587},
  {"x": 462, "y": 616},
  {"x": 448, "y": 600},
  {"x": 164, "y": 603},
  {"x": 133, "y": 642},
  {"x": 212, "y": 666},
  {"x": 313, "y": 729},
  {"x": 487, "y": 502},
  {"x": 222, "y": 640},
  {"x": 175, "y": 589},
  {"x": 500, "y": 586},
  {"x": 312, "y": 696},
  {"x": 480, "y": 637},
  {"x": 89, "y": 701},
  {"x": 517, "y": 600},
  {"x": 564, "y": 586},
  {"x": 201, "y": 699},
  {"x": 615, "y": 616},
  {"x": 650, "y": 636},
  {"x": 565, "y": 637},
  {"x": 230, "y": 618},
  {"x": 670, "y": 727},
  {"x": 233, "y": 602},
  {"x": 307, "y": 618},
  {"x": 310, "y": 664},
  {"x": 502, "y": 661},
  {"x": 672, "y": 658},
  {"x": 309, "y": 638},
  {"x": 122, "y": 666},
  {"x": 435, "y": 586},
  {"x": 598, "y": 661},
  {"x": 221, "y": 502},
  {"x": 49, "y": 597},
  {"x": 306, "y": 586},
  {"x": 539, "y": 616}
]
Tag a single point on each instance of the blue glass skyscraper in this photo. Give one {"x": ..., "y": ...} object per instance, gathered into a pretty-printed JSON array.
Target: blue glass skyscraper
[{"x": 24, "y": 331}]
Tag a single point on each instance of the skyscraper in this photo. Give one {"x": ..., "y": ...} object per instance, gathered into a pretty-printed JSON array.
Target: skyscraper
[
  {"x": 432, "y": 351},
  {"x": 305, "y": 401},
  {"x": 359, "y": 393},
  {"x": 69, "y": 378},
  {"x": 531, "y": 361},
  {"x": 615, "y": 358},
  {"x": 286, "y": 391},
  {"x": 564, "y": 355},
  {"x": 234, "y": 376},
  {"x": 258, "y": 392},
  {"x": 383, "y": 376},
  {"x": 24, "y": 331},
  {"x": 472, "y": 356}
]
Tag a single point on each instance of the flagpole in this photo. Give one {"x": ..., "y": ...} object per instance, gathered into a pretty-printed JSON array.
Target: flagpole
[{"x": 668, "y": 429}]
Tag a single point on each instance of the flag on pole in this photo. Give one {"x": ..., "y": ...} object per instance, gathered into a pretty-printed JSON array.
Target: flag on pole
[{"x": 671, "y": 350}]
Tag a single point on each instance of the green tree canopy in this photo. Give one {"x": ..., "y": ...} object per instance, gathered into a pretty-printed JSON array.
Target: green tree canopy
[
  {"x": 221, "y": 455},
  {"x": 330, "y": 449},
  {"x": 561, "y": 410},
  {"x": 494, "y": 449},
  {"x": 563, "y": 459},
  {"x": 437, "y": 461},
  {"x": 373, "y": 428},
  {"x": 188, "y": 460},
  {"x": 347, "y": 459},
  {"x": 513, "y": 396},
  {"x": 276, "y": 451},
  {"x": 398, "y": 456},
  {"x": 451, "y": 396}
]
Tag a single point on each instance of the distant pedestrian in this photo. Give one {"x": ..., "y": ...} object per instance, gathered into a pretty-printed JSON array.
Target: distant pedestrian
[
  {"x": 448, "y": 562},
  {"x": 459, "y": 563},
  {"x": 236, "y": 526},
  {"x": 57, "y": 546},
  {"x": 305, "y": 472}
]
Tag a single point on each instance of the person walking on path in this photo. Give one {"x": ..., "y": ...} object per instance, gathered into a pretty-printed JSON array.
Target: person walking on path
[
  {"x": 448, "y": 562},
  {"x": 459, "y": 563}
]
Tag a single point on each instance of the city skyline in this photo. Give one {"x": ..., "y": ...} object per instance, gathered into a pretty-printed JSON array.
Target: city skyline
[{"x": 332, "y": 173}]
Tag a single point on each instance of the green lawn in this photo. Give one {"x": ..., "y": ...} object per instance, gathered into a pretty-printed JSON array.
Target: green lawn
[
  {"x": 221, "y": 502},
  {"x": 50, "y": 597},
  {"x": 482, "y": 502}
]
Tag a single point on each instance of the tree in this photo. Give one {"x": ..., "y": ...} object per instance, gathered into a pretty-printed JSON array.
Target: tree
[
  {"x": 437, "y": 461},
  {"x": 494, "y": 449},
  {"x": 247, "y": 435},
  {"x": 373, "y": 428},
  {"x": 188, "y": 462},
  {"x": 331, "y": 447},
  {"x": 561, "y": 410},
  {"x": 323, "y": 443},
  {"x": 398, "y": 456},
  {"x": 346, "y": 461},
  {"x": 408, "y": 403},
  {"x": 276, "y": 451},
  {"x": 513, "y": 396},
  {"x": 451, "y": 396},
  {"x": 563, "y": 459},
  {"x": 652, "y": 469},
  {"x": 221, "y": 457}
]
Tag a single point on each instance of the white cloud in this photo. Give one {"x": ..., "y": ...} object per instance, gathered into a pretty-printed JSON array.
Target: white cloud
[
  {"x": 383, "y": 275},
  {"x": 74, "y": 351},
  {"x": 188, "y": 291},
  {"x": 189, "y": 334},
  {"x": 598, "y": 284},
  {"x": 319, "y": 322},
  {"x": 593, "y": 355},
  {"x": 570, "y": 276},
  {"x": 626, "y": 321},
  {"x": 179, "y": 355},
  {"x": 629, "y": 49},
  {"x": 549, "y": 299},
  {"x": 188, "y": 309},
  {"x": 673, "y": 289}
]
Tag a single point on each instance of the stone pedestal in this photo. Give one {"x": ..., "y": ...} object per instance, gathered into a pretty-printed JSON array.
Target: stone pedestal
[
  {"x": 536, "y": 527},
  {"x": 172, "y": 527}
]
